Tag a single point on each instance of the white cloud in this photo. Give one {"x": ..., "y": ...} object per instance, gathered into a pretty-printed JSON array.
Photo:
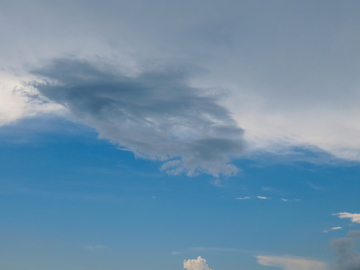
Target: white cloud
[
  {"x": 291, "y": 263},
  {"x": 243, "y": 198},
  {"x": 196, "y": 264},
  {"x": 15, "y": 104},
  {"x": 263, "y": 198},
  {"x": 354, "y": 217},
  {"x": 287, "y": 200},
  {"x": 332, "y": 229}
]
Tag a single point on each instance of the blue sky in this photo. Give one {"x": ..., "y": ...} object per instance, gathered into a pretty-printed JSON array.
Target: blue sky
[{"x": 198, "y": 135}]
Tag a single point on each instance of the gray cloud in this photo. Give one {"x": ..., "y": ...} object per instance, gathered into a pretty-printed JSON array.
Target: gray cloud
[
  {"x": 348, "y": 257},
  {"x": 291, "y": 66},
  {"x": 156, "y": 114}
]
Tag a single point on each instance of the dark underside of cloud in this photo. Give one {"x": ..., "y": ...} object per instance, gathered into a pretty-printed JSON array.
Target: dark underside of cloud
[
  {"x": 156, "y": 114},
  {"x": 348, "y": 257}
]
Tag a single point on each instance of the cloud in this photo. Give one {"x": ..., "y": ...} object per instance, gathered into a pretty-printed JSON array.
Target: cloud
[
  {"x": 155, "y": 114},
  {"x": 315, "y": 187},
  {"x": 217, "y": 183},
  {"x": 348, "y": 257},
  {"x": 332, "y": 229},
  {"x": 196, "y": 264},
  {"x": 354, "y": 217},
  {"x": 15, "y": 104},
  {"x": 299, "y": 88},
  {"x": 263, "y": 198},
  {"x": 291, "y": 263},
  {"x": 287, "y": 200},
  {"x": 354, "y": 234},
  {"x": 244, "y": 198}
]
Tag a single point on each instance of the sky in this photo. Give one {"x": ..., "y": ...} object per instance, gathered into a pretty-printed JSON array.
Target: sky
[{"x": 164, "y": 135}]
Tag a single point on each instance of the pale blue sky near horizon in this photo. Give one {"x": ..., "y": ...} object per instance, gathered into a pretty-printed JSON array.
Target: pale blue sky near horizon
[{"x": 77, "y": 202}]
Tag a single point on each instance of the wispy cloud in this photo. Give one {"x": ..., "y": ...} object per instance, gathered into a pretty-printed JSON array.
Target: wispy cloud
[
  {"x": 332, "y": 229},
  {"x": 268, "y": 198},
  {"x": 315, "y": 187},
  {"x": 291, "y": 263},
  {"x": 217, "y": 183},
  {"x": 263, "y": 198},
  {"x": 287, "y": 200},
  {"x": 243, "y": 198},
  {"x": 353, "y": 217}
]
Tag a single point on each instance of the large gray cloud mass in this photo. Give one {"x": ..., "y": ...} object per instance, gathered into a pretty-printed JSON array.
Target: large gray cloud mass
[
  {"x": 154, "y": 114},
  {"x": 291, "y": 68},
  {"x": 348, "y": 257}
]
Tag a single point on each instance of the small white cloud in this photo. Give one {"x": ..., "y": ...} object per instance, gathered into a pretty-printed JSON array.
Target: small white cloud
[
  {"x": 197, "y": 264},
  {"x": 263, "y": 198},
  {"x": 291, "y": 263},
  {"x": 175, "y": 253},
  {"x": 243, "y": 198},
  {"x": 287, "y": 200},
  {"x": 332, "y": 229},
  {"x": 354, "y": 217}
]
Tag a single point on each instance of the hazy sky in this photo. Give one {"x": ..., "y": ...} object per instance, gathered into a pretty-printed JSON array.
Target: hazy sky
[{"x": 205, "y": 135}]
